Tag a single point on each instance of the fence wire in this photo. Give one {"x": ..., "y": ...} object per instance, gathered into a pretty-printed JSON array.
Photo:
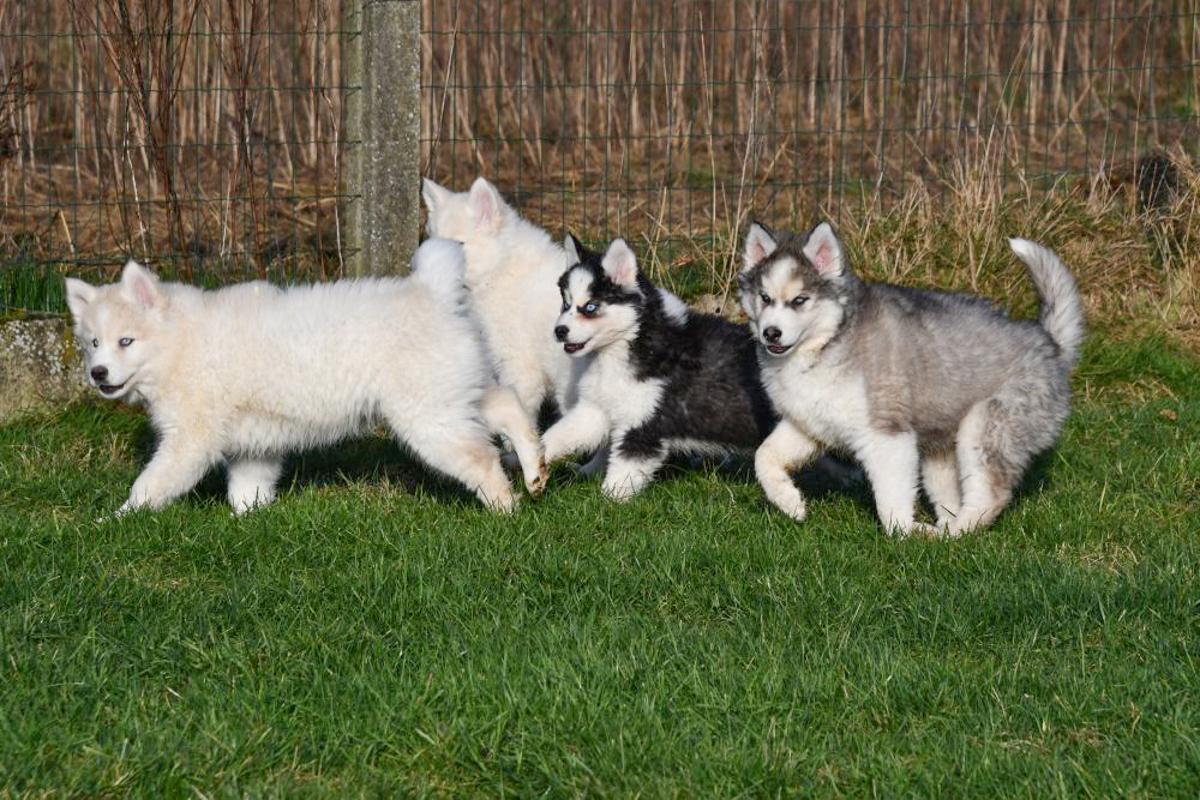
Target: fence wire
[
  {"x": 205, "y": 135},
  {"x": 675, "y": 122},
  {"x": 200, "y": 136}
]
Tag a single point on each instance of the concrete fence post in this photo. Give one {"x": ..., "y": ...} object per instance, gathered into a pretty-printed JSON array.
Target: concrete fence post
[{"x": 381, "y": 134}]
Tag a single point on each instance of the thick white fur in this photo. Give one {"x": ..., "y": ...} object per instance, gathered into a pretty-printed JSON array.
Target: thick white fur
[
  {"x": 823, "y": 403},
  {"x": 512, "y": 275},
  {"x": 250, "y": 373},
  {"x": 512, "y": 272}
]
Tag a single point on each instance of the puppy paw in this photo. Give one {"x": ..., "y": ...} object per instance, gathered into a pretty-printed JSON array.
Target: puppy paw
[
  {"x": 123, "y": 510},
  {"x": 922, "y": 530},
  {"x": 620, "y": 491},
  {"x": 500, "y": 503},
  {"x": 797, "y": 511},
  {"x": 536, "y": 484}
]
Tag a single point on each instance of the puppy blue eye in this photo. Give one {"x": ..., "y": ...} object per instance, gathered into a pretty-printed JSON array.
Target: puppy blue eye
[
  {"x": 125, "y": 341},
  {"x": 799, "y": 300},
  {"x": 566, "y": 305},
  {"x": 95, "y": 342},
  {"x": 590, "y": 308},
  {"x": 766, "y": 298}
]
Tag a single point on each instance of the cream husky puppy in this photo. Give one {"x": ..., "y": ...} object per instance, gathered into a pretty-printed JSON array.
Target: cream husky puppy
[
  {"x": 247, "y": 374},
  {"x": 512, "y": 275}
]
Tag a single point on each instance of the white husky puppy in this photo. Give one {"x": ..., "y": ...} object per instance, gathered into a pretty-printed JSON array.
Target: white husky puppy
[
  {"x": 247, "y": 374},
  {"x": 512, "y": 274}
]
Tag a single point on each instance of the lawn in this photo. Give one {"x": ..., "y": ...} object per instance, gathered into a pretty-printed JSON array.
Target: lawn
[{"x": 375, "y": 632}]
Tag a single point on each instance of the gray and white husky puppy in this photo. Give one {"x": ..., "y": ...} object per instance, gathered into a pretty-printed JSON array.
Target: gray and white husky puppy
[{"x": 920, "y": 386}]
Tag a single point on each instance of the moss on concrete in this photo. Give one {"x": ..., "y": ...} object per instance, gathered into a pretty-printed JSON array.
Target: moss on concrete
[{"x": 40, "y": 366}]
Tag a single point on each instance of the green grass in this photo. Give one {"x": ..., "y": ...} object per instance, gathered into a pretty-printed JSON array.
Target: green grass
[{"x": 375, "y": 632}]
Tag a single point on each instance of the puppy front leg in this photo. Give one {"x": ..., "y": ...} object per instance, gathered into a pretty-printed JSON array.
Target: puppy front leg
[
  {"x": 175, "y": 468},
  {"x": 504, "y": 415},
  {"x": 787, "y": 448},
  {"x": 891, "y": 462},
  {"x": 631, "y": 467},
  {"x": 584, "y": 427}
]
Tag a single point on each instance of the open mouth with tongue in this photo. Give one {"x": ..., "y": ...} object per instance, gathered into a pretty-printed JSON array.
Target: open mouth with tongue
[
  {"x": 778, "y": 349},
  {"x": 573, "y": 347}
]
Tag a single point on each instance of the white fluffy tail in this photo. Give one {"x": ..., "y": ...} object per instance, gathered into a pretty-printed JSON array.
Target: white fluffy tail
[
  {"x": 439, "y": 265},
  {"x": 1062, "y": 313}
]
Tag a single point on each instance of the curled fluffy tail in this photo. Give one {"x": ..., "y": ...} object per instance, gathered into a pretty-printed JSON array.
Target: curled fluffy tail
[
  {"x": 1062, "y": 313},
  {"x": 439, "y": 265}
]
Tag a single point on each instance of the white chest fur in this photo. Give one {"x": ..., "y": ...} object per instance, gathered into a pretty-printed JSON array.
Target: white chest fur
[
  {"x": 826, "y": 401},
  {"x": 610, "y": 384}
]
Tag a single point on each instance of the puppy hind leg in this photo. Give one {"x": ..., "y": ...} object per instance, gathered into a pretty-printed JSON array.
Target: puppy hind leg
[
  {"x": 504, "y": 415},
  {"x": 986, "y": 478},
  {"x": 1000, "y": 436},
  {"x": 458, "y": 446},
  {"x": 252, "y": 482},
  {"x": 939, "y": 477}
]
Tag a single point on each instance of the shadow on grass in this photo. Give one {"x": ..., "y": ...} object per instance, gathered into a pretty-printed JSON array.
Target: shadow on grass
[
  {"x": 379, "y": 459},
  {"x": 373, "y": 459},
  {"x": 815, "y": 481}
]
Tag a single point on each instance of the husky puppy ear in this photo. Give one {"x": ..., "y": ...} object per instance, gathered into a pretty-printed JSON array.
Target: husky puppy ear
[
  {"x": 141, "y": 286},
  {"x": 486, "y": 204},
  {"x": 620, "y": 264},
  {"x": 433, "y": 193},
  {"x": 760, "y": 243},
  {"x": 573, "y": 247},
  {"x": 79, "y": 294},
  {"x": 824, "y": 252}
]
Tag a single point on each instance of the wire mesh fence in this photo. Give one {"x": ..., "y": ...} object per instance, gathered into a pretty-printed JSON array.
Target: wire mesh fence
[
  {"x": 676, "y": 121},
  {"x": 201, "y": 136},
  {"x": 206, "y": 135}
]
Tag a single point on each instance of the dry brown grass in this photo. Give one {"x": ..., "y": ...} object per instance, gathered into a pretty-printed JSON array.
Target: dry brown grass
[
  {"x": 684, "y": 115},
  {"x": 928, "y": 129},
  {"x": 206, "y": 129}
]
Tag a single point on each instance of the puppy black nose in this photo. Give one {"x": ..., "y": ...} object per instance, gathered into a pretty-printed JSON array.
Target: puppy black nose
[
  {"x": 99, "y": 373},
  {"x": 560, "y": 332},
  {"x": 772, "y": 334}
]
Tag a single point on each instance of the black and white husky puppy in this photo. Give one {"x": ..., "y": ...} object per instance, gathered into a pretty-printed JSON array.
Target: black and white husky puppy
[{"x": 656, "y": 377}]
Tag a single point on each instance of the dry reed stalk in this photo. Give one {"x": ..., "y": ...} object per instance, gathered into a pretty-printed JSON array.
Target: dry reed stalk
[
  {"x": 144, "y": 103},
  {"x": 653, "y": 119}
]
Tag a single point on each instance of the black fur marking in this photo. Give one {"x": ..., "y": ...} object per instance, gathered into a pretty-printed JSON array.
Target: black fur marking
[
  {"x": 712, "y": 383},
  {"x": 603, "y": 290}
]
